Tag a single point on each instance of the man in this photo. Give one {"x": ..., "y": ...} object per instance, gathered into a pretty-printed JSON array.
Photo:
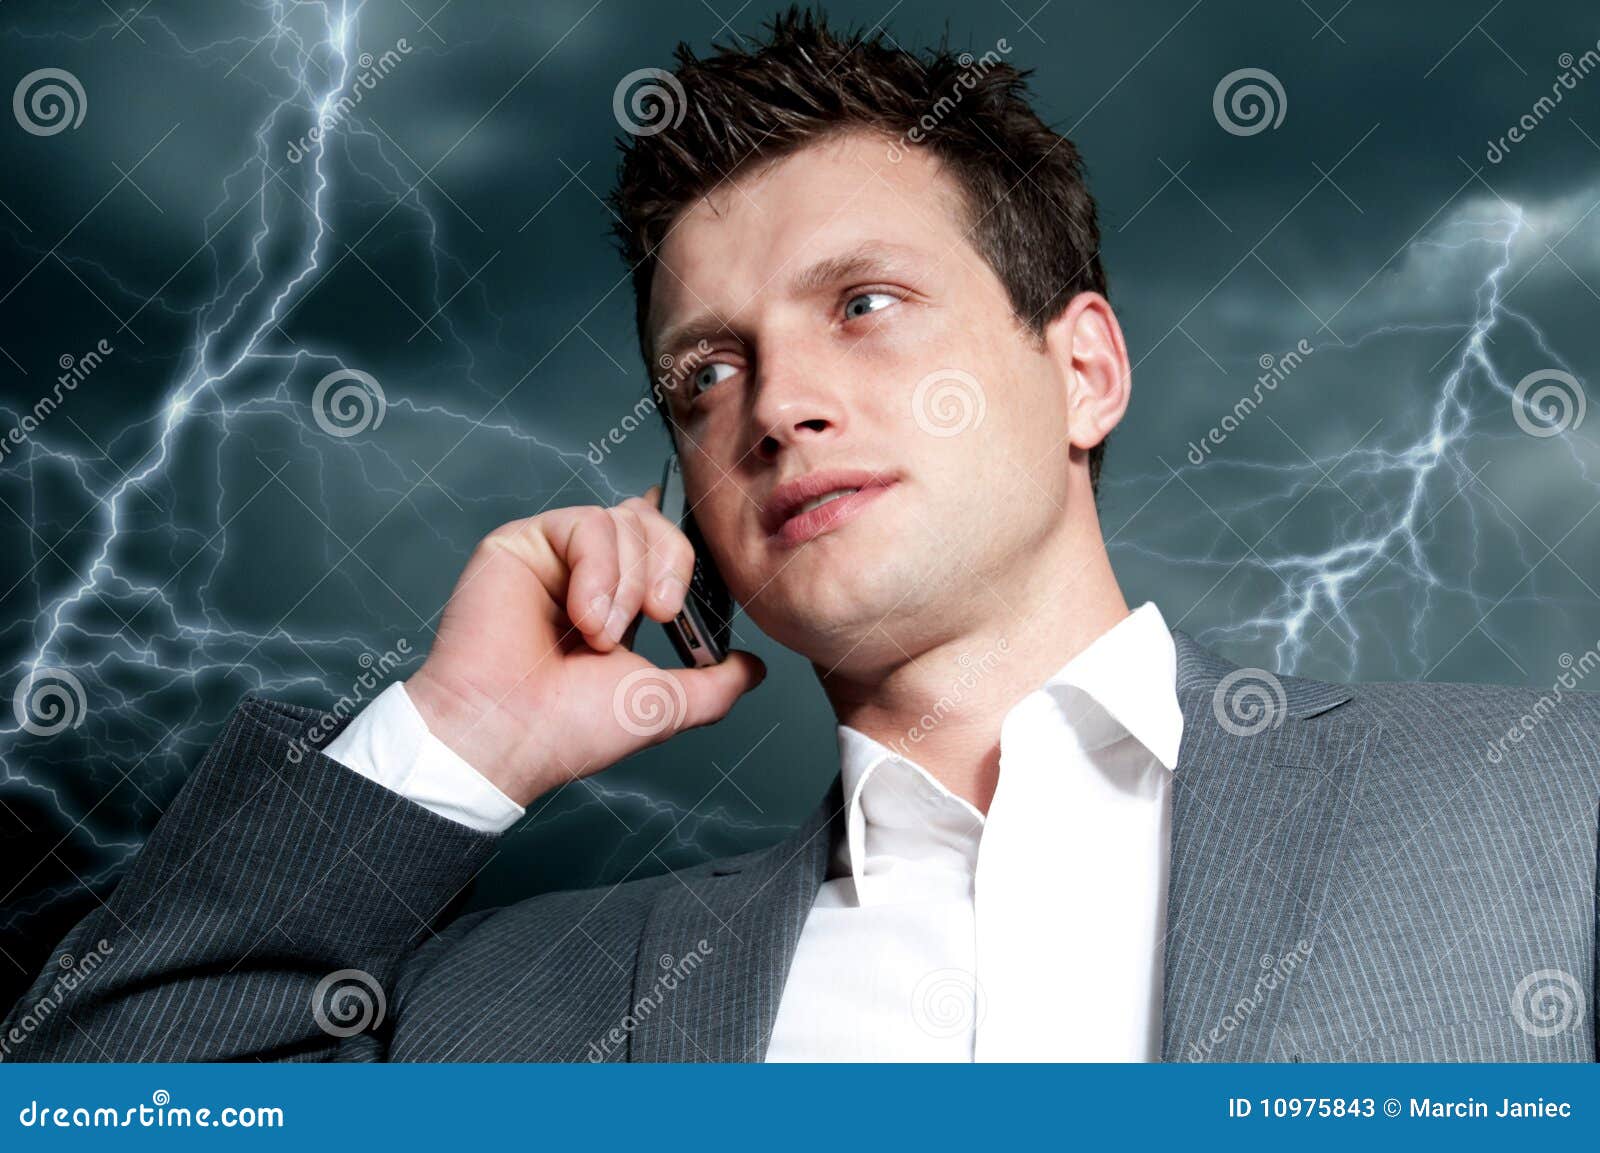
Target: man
[{"x": 877, "y": 280}]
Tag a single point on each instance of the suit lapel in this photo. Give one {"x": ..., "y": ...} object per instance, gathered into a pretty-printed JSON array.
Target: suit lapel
[
  {"x": 722, "y": 939},
  {"x": 1260, "y": 798}
]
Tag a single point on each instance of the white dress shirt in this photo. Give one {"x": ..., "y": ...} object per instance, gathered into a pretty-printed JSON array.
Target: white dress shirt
[
  {"x": 1033, "y": 935},
  {"x": 939, "y": 935}
]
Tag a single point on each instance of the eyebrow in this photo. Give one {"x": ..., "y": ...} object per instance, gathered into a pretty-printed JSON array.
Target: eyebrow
[{"x": 872, "y": 257}]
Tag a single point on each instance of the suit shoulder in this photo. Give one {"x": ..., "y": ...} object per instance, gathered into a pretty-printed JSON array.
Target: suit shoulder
[{"x": 1565, "y": 698}]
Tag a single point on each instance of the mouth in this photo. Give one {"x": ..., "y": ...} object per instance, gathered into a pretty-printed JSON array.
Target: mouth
[{"x": 817, "y": 503}]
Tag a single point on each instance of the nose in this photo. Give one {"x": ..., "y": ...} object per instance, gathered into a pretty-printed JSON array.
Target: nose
[{"x": 793, "y": 408}]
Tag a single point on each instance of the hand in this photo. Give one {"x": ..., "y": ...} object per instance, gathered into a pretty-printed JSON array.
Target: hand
[{"x": 531, "y": 679}]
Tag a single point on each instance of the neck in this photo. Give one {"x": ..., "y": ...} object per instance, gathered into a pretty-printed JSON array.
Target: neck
[{"x": 942, "y": 706}]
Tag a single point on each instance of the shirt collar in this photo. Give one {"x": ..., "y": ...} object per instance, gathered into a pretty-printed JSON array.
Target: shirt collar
[{"x": 1123, "y": 684}]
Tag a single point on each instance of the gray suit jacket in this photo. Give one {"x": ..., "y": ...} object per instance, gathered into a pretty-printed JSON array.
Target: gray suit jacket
[{"x": 1360, "y": 879}]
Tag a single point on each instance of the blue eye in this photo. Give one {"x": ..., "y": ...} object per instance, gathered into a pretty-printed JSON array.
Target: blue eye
[
  {"x": 867, "y": 302},
  {"x": 707, "y": 375}
]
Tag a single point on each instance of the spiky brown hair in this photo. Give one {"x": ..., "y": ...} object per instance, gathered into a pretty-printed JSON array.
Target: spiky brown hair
[{"x": 1029, "y": 209}]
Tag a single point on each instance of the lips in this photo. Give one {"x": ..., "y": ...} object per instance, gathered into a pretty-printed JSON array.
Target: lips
[{"x": 818, "y": 502}]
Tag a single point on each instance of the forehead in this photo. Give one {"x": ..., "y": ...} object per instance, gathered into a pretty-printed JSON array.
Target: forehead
[{"x": 751, "y": 236}]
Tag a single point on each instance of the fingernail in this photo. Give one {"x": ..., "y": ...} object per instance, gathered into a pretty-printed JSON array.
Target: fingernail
[
  {"x": 600, "y": 607},
  {"x": 668, "y": 588},
  {"x": 616, "y": 623}
]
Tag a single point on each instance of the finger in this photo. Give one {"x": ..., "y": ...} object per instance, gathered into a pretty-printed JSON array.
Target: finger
[
  {"x": 671, "y": 566},
  {"x": 633, "y": 571},
  {"x": 590, "y": 551},
  {"x": 712, "y": 691}
]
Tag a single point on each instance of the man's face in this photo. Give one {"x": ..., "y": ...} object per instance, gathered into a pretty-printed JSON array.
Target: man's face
[{"x": 828, "y": 314}]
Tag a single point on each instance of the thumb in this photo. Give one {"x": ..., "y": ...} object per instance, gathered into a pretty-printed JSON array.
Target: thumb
[{"x": 712, "y": 690}]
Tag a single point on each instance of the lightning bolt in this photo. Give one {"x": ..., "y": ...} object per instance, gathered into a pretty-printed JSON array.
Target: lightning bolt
[
  {"x": 137, "y": 626},
  {"x": 1387, "y": 498}
]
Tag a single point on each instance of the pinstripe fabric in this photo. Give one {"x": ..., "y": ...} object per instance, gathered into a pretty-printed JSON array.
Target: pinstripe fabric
[
  {"x": 1447, "y": 904},
  {"x": 1410, "y": 899}
]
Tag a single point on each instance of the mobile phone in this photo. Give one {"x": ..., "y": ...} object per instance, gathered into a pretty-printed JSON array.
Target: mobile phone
[{"x": 701, "y": 630}]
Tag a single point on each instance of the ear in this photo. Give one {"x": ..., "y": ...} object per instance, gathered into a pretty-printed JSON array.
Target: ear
[{"x": 1086, "y": 343}]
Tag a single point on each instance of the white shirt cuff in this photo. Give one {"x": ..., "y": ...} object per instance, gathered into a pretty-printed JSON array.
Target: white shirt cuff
[{"x": 389, "y": 742}]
